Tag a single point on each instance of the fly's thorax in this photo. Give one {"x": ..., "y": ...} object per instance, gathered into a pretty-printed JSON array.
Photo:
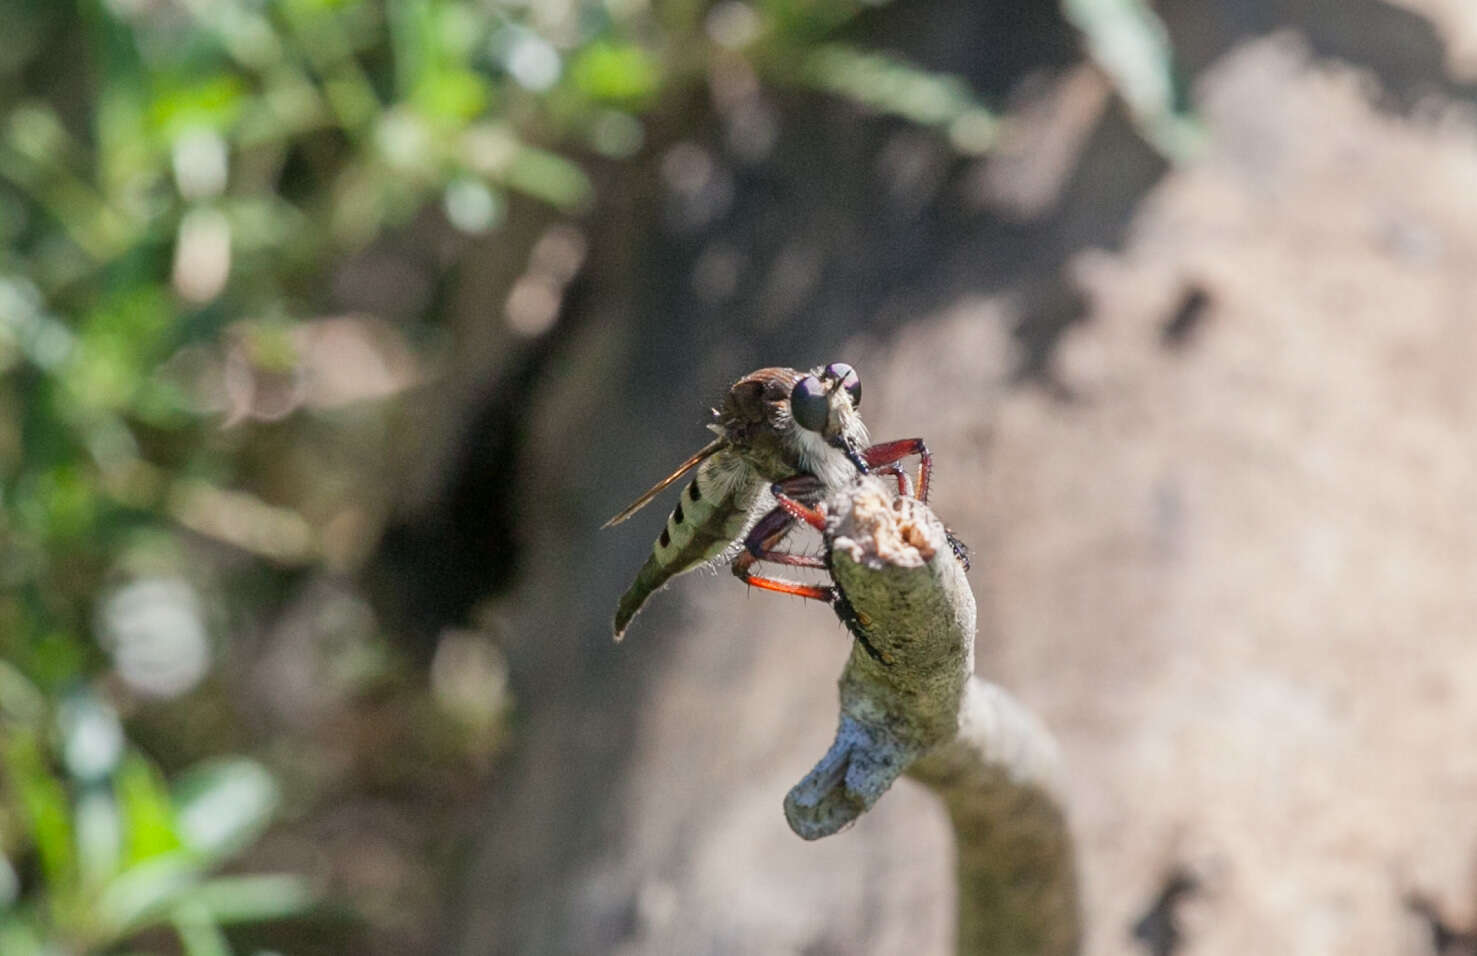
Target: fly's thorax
[
  {"x": 757, "y": 407},
  {"x": 775, "y": 453},
  {"x": 755, "y": 419}
]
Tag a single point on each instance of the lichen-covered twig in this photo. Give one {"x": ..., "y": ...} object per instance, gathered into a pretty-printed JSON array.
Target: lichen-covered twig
[{"x": 910, "y": 703}]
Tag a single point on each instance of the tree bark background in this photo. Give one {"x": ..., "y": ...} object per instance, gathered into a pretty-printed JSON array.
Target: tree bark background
[{"x": 1208, "y": 430}]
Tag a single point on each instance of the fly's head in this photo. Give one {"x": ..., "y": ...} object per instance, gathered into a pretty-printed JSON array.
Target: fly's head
[{"x": 787, "y": 422}]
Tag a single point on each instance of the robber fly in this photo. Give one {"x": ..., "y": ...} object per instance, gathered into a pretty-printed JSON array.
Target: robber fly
[{"x": 777, "y": 428}]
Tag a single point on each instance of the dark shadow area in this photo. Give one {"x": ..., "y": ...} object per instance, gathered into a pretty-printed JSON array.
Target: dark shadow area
[
  {"x": 432, "y": 570},
  {"x": 1180, "y": 329},
  {"x": 1446, "y": 939},
  {"x": 1158, "y": 930}
]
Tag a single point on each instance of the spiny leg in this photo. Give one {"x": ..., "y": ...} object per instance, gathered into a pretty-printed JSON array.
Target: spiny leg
[
  {"x": 884, "y": 458},
  {"x": 818, "y": 592},
  {"x": 761, "y": 542},
  {"x": 796, "y": 510},
  {"x": 890, "y": 452},
  {"x": 904, "y": 483},
  {"x": 960, "y": 549},
  {"x": 763, "y": 550}
]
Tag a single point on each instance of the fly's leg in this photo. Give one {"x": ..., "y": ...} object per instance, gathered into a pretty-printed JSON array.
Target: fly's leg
[
  {"x": 761, "y": 543},
  {"x": 904, "y": 483},
  {"x": 884, "y": 458},
  {"x": 816, "y": 592},
  {"x": 960, "y": 549},
  {"x": 800, "y": 512},
  {"x": 758, "y": 549},
  {"x": 891, "y": 452}
]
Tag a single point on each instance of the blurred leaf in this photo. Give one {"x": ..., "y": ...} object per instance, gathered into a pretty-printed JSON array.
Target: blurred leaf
[
  {"x": 264, "y": 223},
  {"x": 19, "y": 700},
  {"x": 98, "y": 837},
  {"x": 222, "y": 806},
  {"x": 170, "y": 885},
  {"x": 143, "y": 893},
  {"x": 215, "y": 103},
  {"x": 456, "y": 95},
  {"x": 1130, "y": 44},
  {"x": 472, "y": 206},
  {"x": 26, "y": 35},
  {"x": 430, "y": 41},
  {"x": 67, "y": 501},
  {"x": 35, "y": 131},
  {"x": 893, "y": 86},
  {"x": 617, "y": 73},
  {"x": 198, "y": 933},
  {"x": 253, "y": 899},
  {"x": 19, "y": 938},
  {"x": 549, "y": 177},
  {"x": 121, "y": 340},
  {"x": 125, "y": 150},
  {"x": 807, "y": 22},
  {"x": 148, "y": 816},
  {"x": 413, "y": 40},
  {"x": 54, "y": 659},
  {"x": 10, "y": 886},
  {"x": 43, "y": 800},
  {"x": 91, "y": 737},
  {"x": 26, "y": 327},
  {"x": 615, "y": 134}
]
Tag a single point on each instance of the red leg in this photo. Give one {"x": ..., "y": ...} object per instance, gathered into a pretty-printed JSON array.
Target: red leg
[
  {"x": 763, "y": 551},
  {"x": 889, "y": 452},
  {"x": 818, "y": 592},
  {"x": 811, "y": 516},
  {"x": 762, "y": 540},
  {"x": 814, "y": 517},
  {"x": 904, "y": 483},
  {"x": 768, "y": 531}
]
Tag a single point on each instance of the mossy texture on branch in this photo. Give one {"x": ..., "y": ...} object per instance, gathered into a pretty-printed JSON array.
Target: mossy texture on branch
[{"x": 910, "y": 703}]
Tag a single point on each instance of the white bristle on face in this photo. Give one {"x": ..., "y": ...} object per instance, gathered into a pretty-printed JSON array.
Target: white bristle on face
[
  {"x": 824, "y": 460},
  {"x": 827, "y": 463}
]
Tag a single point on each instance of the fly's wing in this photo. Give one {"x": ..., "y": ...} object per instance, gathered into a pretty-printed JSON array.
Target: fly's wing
[{"x": 656, "y": 489}]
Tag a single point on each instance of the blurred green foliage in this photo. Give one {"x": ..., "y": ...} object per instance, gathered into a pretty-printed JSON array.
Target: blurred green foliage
[
  {"x": 179, "y": 173},
  {"x": 117, "y": 850}
]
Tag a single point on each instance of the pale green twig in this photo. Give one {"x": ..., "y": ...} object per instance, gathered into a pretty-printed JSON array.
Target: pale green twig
[{"x": 910, "y": 703}]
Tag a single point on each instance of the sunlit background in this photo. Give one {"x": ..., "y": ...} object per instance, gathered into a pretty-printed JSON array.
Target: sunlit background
[{"x": 332, "y": 330}]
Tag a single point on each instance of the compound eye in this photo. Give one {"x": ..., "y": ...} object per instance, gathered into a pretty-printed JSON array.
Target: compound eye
[
  {"x": 849, "y": 380},
  {"x": 809, "y": 404}
]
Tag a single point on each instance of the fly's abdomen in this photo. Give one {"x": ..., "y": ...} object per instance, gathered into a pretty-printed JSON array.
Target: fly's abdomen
[{"x": 711, "y": 515}]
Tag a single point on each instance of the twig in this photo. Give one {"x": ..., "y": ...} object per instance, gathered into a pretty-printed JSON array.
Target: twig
[{"x": 910, "y": 703}]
